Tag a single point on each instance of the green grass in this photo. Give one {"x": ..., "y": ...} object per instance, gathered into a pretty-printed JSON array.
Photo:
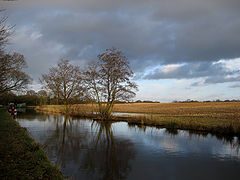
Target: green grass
[{"x": 20, "y": 156}]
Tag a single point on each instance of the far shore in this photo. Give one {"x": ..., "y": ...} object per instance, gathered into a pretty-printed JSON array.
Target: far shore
[{"x": 214, "y": 117}]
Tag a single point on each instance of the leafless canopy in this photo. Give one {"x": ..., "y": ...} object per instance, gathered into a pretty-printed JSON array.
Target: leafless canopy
[
  {"x": 63, "y": 81},
  {"x": 5, "y": 32},
  {"x": 109, "y": 80},
  {"x": 11, "y": 75}
]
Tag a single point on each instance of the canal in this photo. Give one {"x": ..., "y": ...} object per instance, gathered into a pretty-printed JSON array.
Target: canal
[{"x": 86, "y": 149}]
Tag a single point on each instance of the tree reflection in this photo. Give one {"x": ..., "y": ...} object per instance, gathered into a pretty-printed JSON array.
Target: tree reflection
[
  {"x": 96, "y": 153},
  {"x": 171, "y": 131},
  {"x": 66, "y": 141},
  {"x": 225, "y": 139},
  {"x": 109, "y": 157}
]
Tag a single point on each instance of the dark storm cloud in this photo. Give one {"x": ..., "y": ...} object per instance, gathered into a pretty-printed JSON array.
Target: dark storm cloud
[
  {"x": 150, "y": 33},
  {"x": 218, "y": 79},
  {"x": 211, "y": 72},
  {"x": 187, "y": 71},
  {"x": 214, "y": 72}
]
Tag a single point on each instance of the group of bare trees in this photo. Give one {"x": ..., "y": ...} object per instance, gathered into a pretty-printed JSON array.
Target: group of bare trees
[
  {"x": 12, "y": 76},
  {"x": 104, "y": 81}
]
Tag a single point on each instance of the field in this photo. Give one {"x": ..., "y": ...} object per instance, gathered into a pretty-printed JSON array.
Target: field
[{"x": 217, "y": 117}]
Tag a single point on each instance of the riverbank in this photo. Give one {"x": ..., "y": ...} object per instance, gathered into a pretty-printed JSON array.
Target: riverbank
[
  {"x": 20, "y": 156},
  {"x": 215, "y": 117}
]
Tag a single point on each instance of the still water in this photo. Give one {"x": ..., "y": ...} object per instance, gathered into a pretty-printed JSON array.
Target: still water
[{"x": 85, "y": 149}]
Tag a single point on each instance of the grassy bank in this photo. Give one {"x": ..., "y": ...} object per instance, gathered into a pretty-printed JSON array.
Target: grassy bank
[
  {"x": 215, "y": 117},
  {"x": 20, "y": 156},
  {"x": 204, "y": 124}
]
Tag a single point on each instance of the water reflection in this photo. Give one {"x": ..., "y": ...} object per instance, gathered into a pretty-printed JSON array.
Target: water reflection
[
  {"x": 86, "y": 149},
  {"x": 230, "y": 140},
  {"x": 65, "y": 140},
  {"x": 95, "y": 155},
  {"x": 108, "y": 155}
]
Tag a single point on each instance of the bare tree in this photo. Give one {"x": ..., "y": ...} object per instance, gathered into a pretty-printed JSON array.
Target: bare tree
[
  {"x": 5, "y": 33},
  {"x": 52, "y": 83},
  {"x": 12, "y": 76},
  {"x": 109, "y": 80},
  {"x": 63, "y": 81}
]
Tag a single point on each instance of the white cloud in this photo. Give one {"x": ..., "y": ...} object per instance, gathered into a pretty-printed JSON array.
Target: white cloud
[
  {"x": 230, "y": 64},
  {"x": 35, "y": 86},
  {"x": 169, "y": 68},
  {"x": 35, "y": 35}
]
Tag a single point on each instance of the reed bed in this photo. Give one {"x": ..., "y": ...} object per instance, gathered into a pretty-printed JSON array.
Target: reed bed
[
  {"x": 217, "y": 117},
  {"x": 207, "y": 124}
]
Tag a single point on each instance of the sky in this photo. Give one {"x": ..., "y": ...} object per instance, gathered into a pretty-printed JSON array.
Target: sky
[{"x": 178, "y": 49}]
